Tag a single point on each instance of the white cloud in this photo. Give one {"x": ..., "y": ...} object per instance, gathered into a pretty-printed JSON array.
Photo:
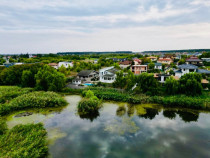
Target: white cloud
[
  {"x": 134, "y": 38},
  {"x": 201, "y": 2}
]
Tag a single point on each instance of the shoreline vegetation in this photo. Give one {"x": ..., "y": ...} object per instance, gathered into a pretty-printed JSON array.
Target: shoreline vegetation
[
  {"x": 25, "y": 141},
  {"x": 24, "y": 99},
  {"x": 201, "y": 102}
]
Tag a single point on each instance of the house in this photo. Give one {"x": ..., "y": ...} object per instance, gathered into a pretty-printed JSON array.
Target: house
[
  {"x": 187, "y": 68},
  {"x": 137, "y": 61},
  {"x": 138, "y": 69},
  {"x": 152, "y": 58},
  {"x": 77, "y": 81},
  {"x": 167, "y": 61},
  {"x": 161, "y": 77},
  {"x": 206, "y": 59},
  {"x": 125, "y": 64},
  {"x": 158, "y": 66},
  {"x": 184, "y": 69},
  {"x": 65, "y": 64},
  {"x": 194, "y": 61},
  {"x": 87, "y": 75},
  {"x": 54, "y": 65},
  {"x": 108, "y": 75}
]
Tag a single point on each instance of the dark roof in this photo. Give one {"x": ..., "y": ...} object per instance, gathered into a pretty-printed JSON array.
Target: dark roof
[
  {"x": 113, "y": 70},
  {"x": 193, "y": 59},
  {"x": 85, "y": 72},
  {"x": 158, "y": 64},
  {"x": 108, "y": 75},
  {"x": 77, "y": 79},
  {"x": 203, "y": 71},
  {"x": 125, "y": 62},
  {"x": 178, "y": 71},
  {"x": 187, "y": 66}
]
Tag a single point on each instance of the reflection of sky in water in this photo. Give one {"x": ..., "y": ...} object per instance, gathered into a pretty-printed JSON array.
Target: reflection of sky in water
[{"x": 155, "y": 134}]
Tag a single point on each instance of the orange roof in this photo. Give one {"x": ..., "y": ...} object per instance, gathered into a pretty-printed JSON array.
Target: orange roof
[
  {"x": 204, "y": 81},
  {"x": 151, "y": 57},
  {"x": 53, "y": 64},
  {"x": 164, "y": 60}
]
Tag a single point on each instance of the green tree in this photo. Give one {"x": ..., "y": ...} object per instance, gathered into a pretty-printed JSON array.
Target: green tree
[
  {"x": 151, "y": 66},
  {"x": 120, "y": 80},
  {"x": 190, "y": 84},
  {"x": 27, "y": 79},
  {"x": 172, "y": 86},
  {"x": 49, "y": 79}
]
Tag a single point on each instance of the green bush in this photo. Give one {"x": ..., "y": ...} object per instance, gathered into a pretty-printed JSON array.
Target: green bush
[
  {"x": 3, "y": 126},
  {"x": 32, "y": 100},
  {"x": 24, "y": 141},
  {"x": 9, "y": 92},
  {"x": 90, "y": 104}
]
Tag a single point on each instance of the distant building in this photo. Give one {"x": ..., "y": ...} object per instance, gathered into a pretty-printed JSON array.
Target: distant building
[
  {"x": 65, "y": 64},
  {"x": 167, "y": 61},
  {"x": 194, "y": 61},
  {"x": 87, "y": 75},
  {"x": 187, "y": 68},
  {"x": 138, "y": 69},
  {"x": 206, "y": 59},
  {"x": 54, "y": 65},
  {"x": 152, "y": 58},
  {"x": 125, "y": 64},
  {"x": 158, "y": 66},
  {"x": 108, "y": 75}
]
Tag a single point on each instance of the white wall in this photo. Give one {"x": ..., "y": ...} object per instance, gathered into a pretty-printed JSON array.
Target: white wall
[{"x": 65, "y": 64}]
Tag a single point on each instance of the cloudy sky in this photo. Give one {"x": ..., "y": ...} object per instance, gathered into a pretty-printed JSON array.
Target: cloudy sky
[{"x": 44, "y": 26}]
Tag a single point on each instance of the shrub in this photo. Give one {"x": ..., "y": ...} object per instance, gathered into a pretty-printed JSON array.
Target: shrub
[
  {"x": 9, "y": 92},
  {"x": 90, "y": 104},
  {"x": 3, "y": 126},
  {"x": 33, "y": 99},
  {"x": 171, "y": 85},
  {"x": 25, "y": 141}
]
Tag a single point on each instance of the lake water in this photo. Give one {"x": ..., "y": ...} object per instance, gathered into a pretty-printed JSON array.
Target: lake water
[{"x": 120, "y": 130}]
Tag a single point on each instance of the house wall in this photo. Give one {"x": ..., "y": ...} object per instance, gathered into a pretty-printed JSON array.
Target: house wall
[
  {"x": 66, "y": 65},
  {"x": 139, "y": 69},
  {"x": 124, "y": 66},
  {"x": 108, "y": 80}
]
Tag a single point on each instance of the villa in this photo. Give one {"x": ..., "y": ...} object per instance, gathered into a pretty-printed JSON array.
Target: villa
[
  {"x": 65, "y": 64},
  {"x": 108, "y": 75},
  {"x": 152, "y": 58},
  {"x": 167, "y": 61},
  {"x": 194, "y": 61},
  {"x": 138, "y": 69}
]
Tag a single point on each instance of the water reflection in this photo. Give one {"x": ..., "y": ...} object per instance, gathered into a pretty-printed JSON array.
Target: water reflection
[
  {"x": 89, "y": 116},
  {"x": 125, "y": 130}
]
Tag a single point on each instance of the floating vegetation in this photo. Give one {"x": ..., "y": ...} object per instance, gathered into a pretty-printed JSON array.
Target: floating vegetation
[{"x": 123, "y": 126}]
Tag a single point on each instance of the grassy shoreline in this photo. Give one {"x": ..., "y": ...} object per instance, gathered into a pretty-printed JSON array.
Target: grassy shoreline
[{"x": 178, "y": 101}]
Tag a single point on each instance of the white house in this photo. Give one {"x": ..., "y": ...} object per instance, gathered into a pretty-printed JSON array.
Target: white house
[
  {"x": 108, "y": 75},
  {"x": 65, "y": 64},
  {"x": 184, "y": 69},
  {"x": 158, "y": 66},
  {"x": 77, "y": 81}
]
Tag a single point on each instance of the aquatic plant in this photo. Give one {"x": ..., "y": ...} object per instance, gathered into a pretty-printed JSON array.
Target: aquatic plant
[
  {"x": 32, "y": 100},
  {"x": 90, "y": 104},
  {"x": 24, "y": 141}
]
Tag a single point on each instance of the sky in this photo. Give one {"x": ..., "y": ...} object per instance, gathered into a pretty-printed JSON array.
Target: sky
[{"x": 50, "y": 26}]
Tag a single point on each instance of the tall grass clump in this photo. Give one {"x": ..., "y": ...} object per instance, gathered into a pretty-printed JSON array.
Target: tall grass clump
[
  {"x": 24, "y": 141},
  {"x": 9, "y": 92},
  {"x": 3, "y": 126},
  {"x": 33, "y": 100}
]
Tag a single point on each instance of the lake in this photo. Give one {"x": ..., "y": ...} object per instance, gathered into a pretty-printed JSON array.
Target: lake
[{"x": 121, "y": 130}]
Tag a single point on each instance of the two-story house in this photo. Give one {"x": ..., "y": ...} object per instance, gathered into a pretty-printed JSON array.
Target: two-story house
[
  {"x": 65, "y": 64},
  {"x": 108, "y": 74},
  {"x": 194, "y": 61},
  {"x": 166, "y": 61},
  {"x": 184, "y": 69}
]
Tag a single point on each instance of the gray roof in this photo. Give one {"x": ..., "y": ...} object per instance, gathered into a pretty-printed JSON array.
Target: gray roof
[
  {"x": 113, "y": 70},
  {"x": 187, "y": 66},
  {"x": 158, "y": 64},
  {"x": 85, "y": 72},
  {"x": 179, "y": 71},
  {"x": 108, "y": 75},
  {"x": 203, "y": 71}
]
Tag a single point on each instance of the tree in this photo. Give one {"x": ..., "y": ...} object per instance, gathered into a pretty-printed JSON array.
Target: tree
[
  {"x": 190, "y": 84},
  {"x": 120, "y": 80},
  {"x": 163, "y": 67},
  {"x": 63, "y": 70},
  {"x": 147, "y": 83},
  {"x": 27, "y": 79},
  {"x": 171, "y": 85},
  {"x": 48, "y": 79},
  {"x": 181, "y": 61},
  {"x": 151, "y": 66}
]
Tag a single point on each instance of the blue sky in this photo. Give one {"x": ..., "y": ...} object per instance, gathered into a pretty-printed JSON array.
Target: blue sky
[{"x": 44, "y": 26}]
